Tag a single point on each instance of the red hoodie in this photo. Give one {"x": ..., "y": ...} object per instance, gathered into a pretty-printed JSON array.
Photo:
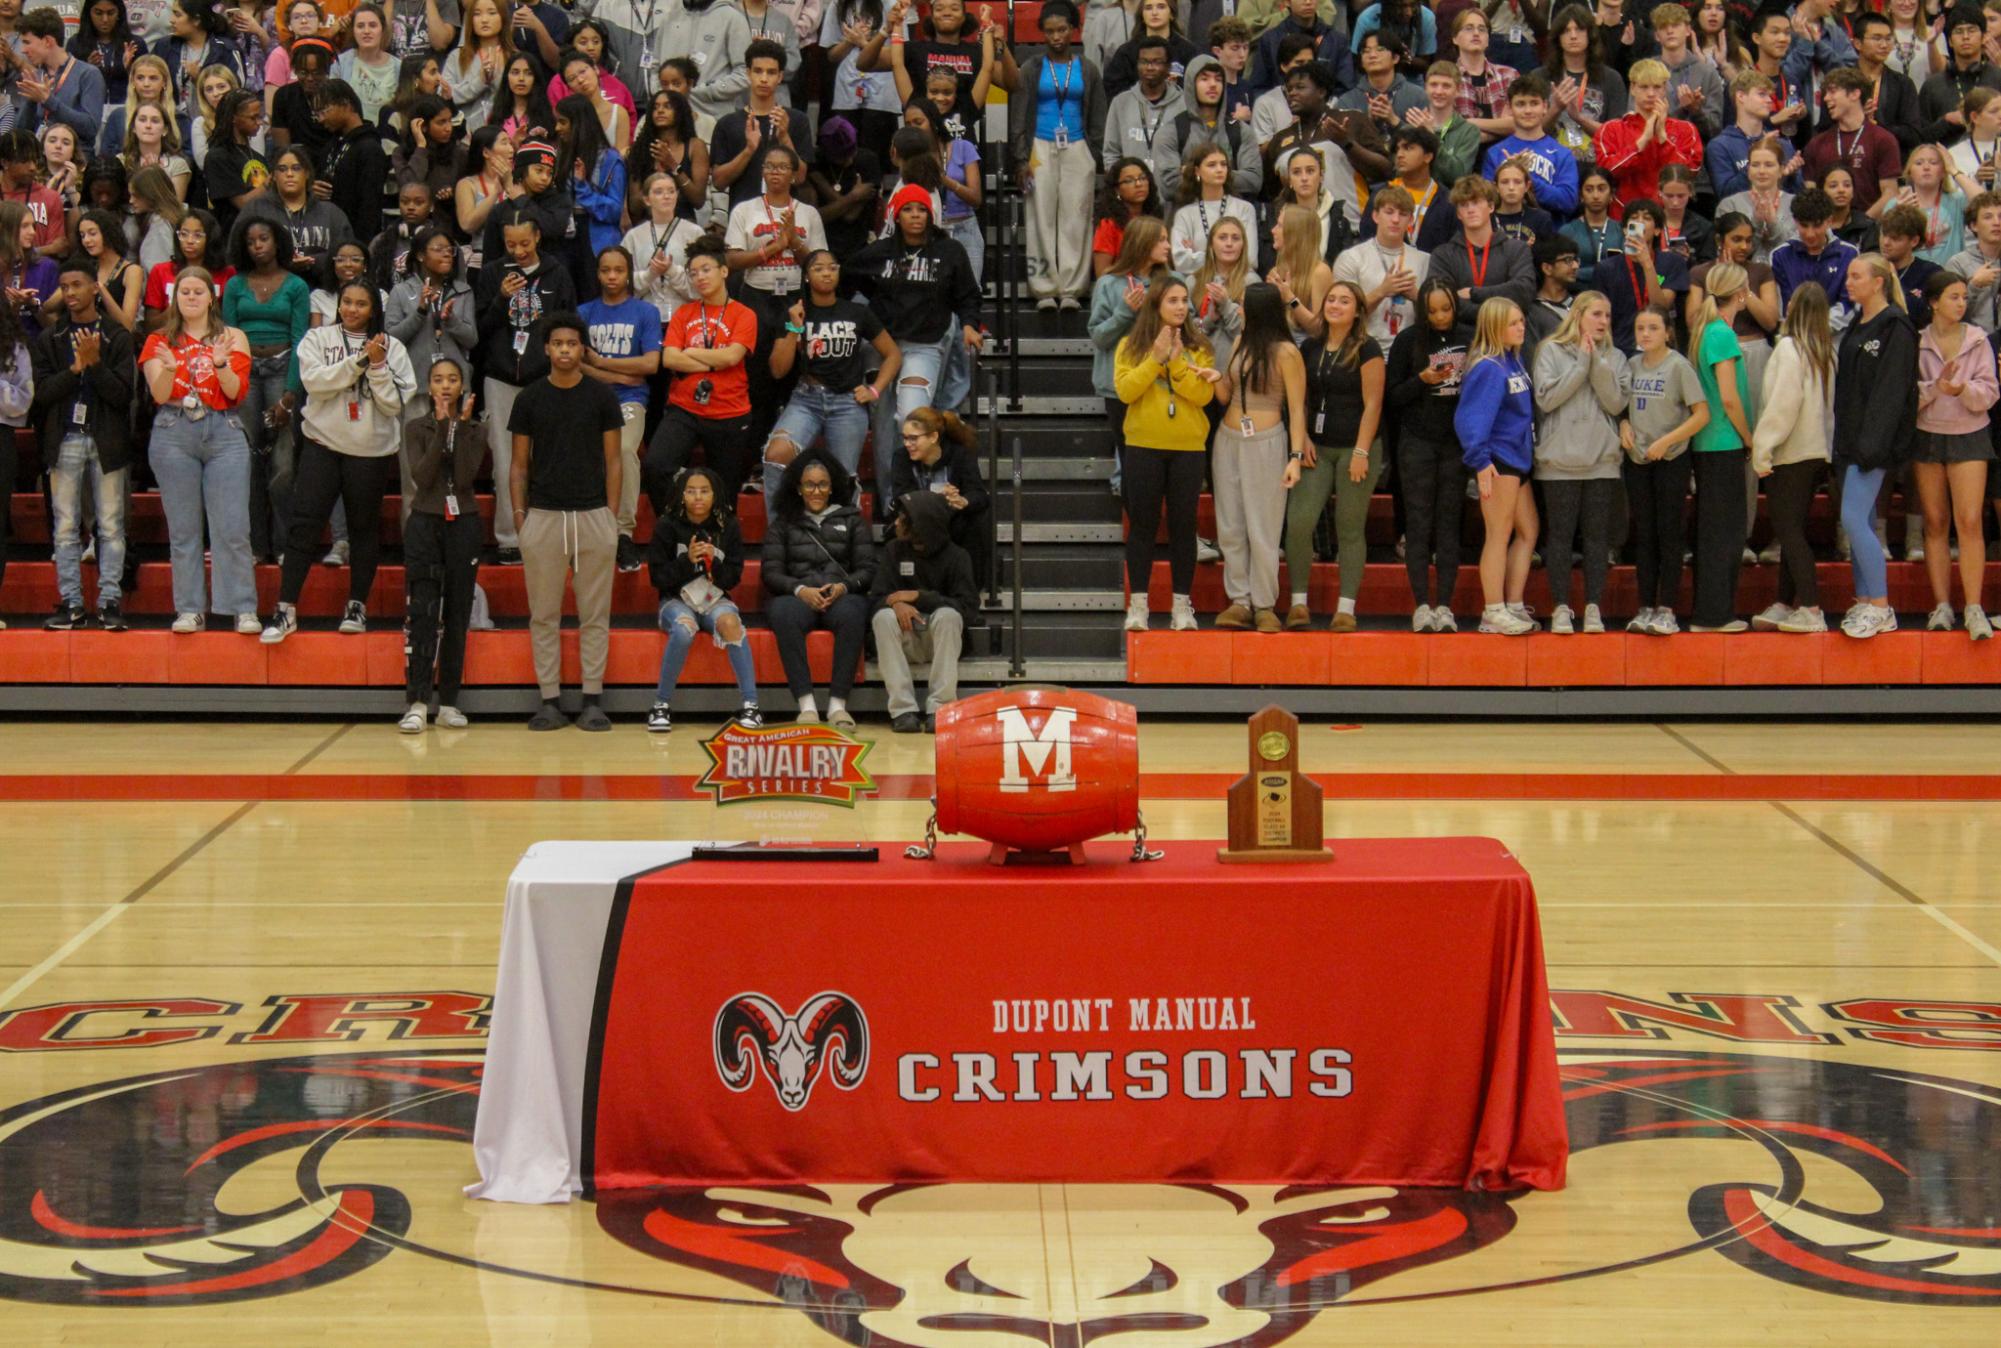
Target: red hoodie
[{"x": 1636, "y": 172}]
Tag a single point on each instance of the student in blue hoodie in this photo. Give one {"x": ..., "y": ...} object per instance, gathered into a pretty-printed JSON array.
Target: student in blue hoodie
[
  {"x": 1548, "y": 162},
  {"x": 1496, "y": 426}
]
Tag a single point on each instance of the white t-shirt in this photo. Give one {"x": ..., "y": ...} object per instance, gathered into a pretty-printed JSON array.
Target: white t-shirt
[
  {"x": 1366, "y": 264},
  {"x": 754, "y": 221},
  {"x": 854, "y": 87}
]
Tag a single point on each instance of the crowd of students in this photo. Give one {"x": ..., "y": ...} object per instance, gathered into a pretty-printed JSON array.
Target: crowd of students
[
  {"x": 295, "y": 259},
  {"x": 1576, "y": 268},
  {"x": 1580, "y": 267}
]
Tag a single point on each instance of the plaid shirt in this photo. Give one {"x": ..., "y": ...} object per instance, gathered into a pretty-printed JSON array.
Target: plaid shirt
[{"x": 1485, "y": 94}]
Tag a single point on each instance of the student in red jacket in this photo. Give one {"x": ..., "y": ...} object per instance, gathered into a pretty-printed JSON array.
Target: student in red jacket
[{"x": 1635, "y": 148}]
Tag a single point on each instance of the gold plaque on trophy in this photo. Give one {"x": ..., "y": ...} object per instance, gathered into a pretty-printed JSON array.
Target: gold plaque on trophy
[{"x": 1275, "y": 810}]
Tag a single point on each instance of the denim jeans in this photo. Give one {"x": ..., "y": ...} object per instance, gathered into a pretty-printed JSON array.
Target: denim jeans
[
  {"x": 681, "y": 623},
  {"x": 814, "y": 411},
  {"x": 943, "y": 381},
  {"x": 1858, "y": 507},
  {"x": 973, "y": 239},
  {"x": 76, "y": 467},
  {"x": 203, "y": 468}
]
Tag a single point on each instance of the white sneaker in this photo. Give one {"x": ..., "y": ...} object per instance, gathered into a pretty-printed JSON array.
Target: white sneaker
[
  {"x": 1769, "y": 554},
  {"x": 336, "y": 555},
  {"x": 1641, "y": 622},
  {"x": 1136, "y": 613},
  {"x": 89, "y": 551},
  {"x": 248, "y": 625},
  {"x": 1940, "y": 619},
  {"x": 185, "y": 623},
  {"x": 1804, "y": 620},
  {"x": 1205, "y": 551},
  {"x": 1442, "y": 619},
  {"x": 1731, "y": 628},
  {"x": 1559, "y": 620},
  {"x": 1863, "y": 621},
  {"x": 354, "y": 620},
  {"x": 283, "y": 623},
  {"x": 1772, "y": 618},
  {"x": 1750, "y": 558},
  {"x": 1046, "y": 305},
  {"x": 451, "y": 718},
  {"x": 1977, "y": 626},
  {"x": 1183, "y": 619},
  {"x": 415, "y": 719},
  {"x": 1526, "y": 614},
  {"x": 1420, "y": 618},
  {"x": 1594, "y": 621},
  {"x": 1664, "y": 624},
  {"x": 1500, "y": 620},
  {"x": 1069, "y": 304}
]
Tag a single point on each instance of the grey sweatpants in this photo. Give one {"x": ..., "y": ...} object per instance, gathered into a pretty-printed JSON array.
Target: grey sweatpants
[
  {"x": 938, "y": 641},
  {"x": 554, "y": 544},
  {"x": 1247, "y": 473}
]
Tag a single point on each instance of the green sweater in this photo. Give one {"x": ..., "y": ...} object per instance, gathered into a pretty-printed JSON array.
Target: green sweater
[{"x": 284, "y": 319}]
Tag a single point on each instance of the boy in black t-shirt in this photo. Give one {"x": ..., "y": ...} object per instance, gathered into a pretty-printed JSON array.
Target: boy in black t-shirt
[{"x": 565, "y": 478}]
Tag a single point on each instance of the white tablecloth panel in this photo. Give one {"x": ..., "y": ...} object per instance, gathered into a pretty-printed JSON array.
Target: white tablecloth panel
[{"x": 528, "y": 1139}]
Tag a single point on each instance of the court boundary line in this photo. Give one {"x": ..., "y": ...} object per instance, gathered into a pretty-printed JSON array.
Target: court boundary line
[
  {"x": 1891, "y": 883},
  {"x": 1696, "y": 749}
]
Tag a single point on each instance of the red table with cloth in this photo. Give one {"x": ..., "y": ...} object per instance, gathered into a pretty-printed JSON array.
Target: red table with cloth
[{"x": 1382, "y": 1019}]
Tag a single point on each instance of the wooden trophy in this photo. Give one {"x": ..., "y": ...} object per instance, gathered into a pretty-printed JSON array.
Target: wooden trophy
[{"x": 1275, "y": 810}]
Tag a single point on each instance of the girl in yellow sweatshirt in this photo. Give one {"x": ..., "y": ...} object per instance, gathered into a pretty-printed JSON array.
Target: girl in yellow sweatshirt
[{"x": 1165, "y": 376}]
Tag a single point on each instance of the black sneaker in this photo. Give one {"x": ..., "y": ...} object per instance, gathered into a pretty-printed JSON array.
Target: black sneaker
[
  {"x": 507, "y": 557},
  {"x": 660, "y": 720},
  {"x": 628, "y": 555},
  {"x": 749, "y": 717},
  {"x": 110, "y": 617},
  {"x": 66, "y": 618},
  {"x": 355, "y": 619},
  {"x": 910, "y": 723}
]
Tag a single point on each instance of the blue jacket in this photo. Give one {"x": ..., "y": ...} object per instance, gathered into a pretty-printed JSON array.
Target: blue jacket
[
  {"x": 1553, "y": 168},
  {"x": 77, "y": 103},
  {"x": 1496, "y": 416},
  {"x": 1331, "y": 46},
  {"x": 1793, "y": 267},
  {"x": 1728, "y": 153}
]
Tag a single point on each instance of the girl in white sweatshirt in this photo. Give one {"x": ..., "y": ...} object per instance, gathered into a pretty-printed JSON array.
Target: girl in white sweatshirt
[
  {"x": 357, "y": 378},
  {"x": 1205, "y": 190},
  {"x": 1790, "y": 447}
]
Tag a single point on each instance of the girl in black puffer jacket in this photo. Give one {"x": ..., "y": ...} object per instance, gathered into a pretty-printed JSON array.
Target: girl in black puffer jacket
[
  {"x": 819, "y": 562},
  {"x": 695, "y": 560}
]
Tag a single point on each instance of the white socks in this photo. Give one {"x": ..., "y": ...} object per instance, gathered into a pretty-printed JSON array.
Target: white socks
[
  {"x": 809, "y": 708},
  {"x": 1299, "y": 599},
  {"x": 1345, "y": 606},
  {"x": 835, "y": 705}
]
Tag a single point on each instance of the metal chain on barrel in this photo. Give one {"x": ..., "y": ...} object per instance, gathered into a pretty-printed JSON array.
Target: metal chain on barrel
[
  {"x": 1140, "y": 850},
  {"x": 927, "y": 849}
]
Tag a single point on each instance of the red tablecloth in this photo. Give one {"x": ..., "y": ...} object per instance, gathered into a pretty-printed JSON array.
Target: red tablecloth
[{"x": 1383, "y": 1019}]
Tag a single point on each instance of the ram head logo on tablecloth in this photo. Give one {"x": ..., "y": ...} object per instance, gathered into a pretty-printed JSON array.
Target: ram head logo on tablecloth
[{"x": 829, "y": 1031}]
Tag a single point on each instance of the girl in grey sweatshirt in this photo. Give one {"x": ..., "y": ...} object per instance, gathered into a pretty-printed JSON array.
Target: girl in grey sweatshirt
[{"x": 1580, "y": 390}]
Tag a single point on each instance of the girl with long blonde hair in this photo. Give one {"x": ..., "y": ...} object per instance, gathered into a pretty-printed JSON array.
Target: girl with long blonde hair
[
  {"x": 1345, "y": 375},
  {"x": 1218, "y": 286},
  {"x": 1580, "y": 391},
  {"x": 1116, "y": 300},
  {"x": 1300, "y": 274},
  {"x": 1789, "y": 449},
  {"x": 1165, "y": 375},
  {"x": 1496, "y": 426},
  {"x": 1875, "y": 427}
]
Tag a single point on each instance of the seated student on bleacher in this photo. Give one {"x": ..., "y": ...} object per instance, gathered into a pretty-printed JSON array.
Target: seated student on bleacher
[
  {"x": 357, "y": 378},
  {"x": 940, "y": 455},
  {"x": 819, "y": 562},
  {"x": 924, "y": 596},
  {"x": 82, "y": 406},
  {"x": 827, "y": 340},
  {"x": 696, "y": 559},
  {"x": 443, "y": 454}
]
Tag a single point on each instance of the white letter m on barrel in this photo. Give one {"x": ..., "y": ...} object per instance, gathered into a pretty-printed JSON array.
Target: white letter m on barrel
[{"x": 1030, "y": 759}]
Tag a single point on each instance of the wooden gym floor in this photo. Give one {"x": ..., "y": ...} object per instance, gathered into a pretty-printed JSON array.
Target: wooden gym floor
[{"x": 1791, "y": 929}]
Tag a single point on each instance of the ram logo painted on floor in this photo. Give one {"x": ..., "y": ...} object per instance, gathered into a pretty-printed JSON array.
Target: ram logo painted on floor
[{"x": 1847, "y": 1179}]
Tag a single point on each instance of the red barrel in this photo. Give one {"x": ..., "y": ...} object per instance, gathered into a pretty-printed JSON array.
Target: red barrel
[{"x": 1037, "y": 768}]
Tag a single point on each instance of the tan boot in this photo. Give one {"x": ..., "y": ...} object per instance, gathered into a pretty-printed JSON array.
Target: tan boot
[
  {"x": 1236, "y": 617},
  {"x": 1298, "y": 618},
  {"x": 1267, "y": 621},
  {"x": 1343, "y": 622}
]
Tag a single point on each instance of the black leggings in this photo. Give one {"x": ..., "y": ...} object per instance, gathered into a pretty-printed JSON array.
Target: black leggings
[
  {"x": 1659, "y": 495},
  {"x": 441, "y": 561},
  {"x": 1719, "y": 533},
  {"x": 1433, "y": 479},
  {"x": 1573, "y": 507},
  {"x": 726, "y": 442},
  {"x": 847, "y": 618},
  {"x": 324, "y": 477},
  {"x": 8, "y": 468},
  {"x": 1153, "y": 478},
  {"x": 1788, "y": 498}
]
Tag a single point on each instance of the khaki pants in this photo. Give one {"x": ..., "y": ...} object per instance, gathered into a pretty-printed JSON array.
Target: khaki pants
[
  {"x": 1059, "y": 220},
  {"x": 1248, "y": 473},
  {"x": 938, "y": 641},
  {"x": 630, "y": 433},
  {"x": 555, "y": 544},
  {"x": 499, "y": 406}
]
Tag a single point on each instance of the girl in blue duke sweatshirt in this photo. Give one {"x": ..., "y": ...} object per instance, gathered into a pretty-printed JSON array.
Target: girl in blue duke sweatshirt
[{"x": 1496, "y": 426}]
